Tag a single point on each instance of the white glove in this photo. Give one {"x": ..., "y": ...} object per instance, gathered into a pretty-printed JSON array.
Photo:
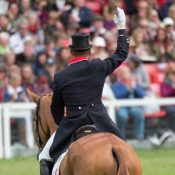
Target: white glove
[{"x": 120, "y": 18}]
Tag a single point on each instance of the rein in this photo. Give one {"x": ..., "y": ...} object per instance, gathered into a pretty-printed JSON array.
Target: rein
[{"x": 37, "y": 118}]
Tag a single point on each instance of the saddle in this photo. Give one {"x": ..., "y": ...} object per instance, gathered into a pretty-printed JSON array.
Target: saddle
[{"x": 84, "y": 131}]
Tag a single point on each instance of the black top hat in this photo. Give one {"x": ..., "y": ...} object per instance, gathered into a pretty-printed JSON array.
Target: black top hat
[{"x": 80, "y": 42}]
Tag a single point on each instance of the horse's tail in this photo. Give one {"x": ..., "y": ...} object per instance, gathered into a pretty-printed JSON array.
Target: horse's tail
[{"x": 120, "y": 162}]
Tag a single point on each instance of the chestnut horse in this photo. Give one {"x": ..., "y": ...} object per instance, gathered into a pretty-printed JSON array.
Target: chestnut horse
[{"x": 95, "y": 154}]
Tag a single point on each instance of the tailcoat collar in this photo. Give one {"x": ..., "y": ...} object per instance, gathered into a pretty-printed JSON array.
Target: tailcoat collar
[{"x": 78, "y": 59}]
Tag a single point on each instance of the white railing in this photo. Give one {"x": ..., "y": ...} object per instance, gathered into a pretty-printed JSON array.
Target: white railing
[
  {"x": 112, "y": 104},
  {"x": 24, "y": 110},
  {"x": 15, "y": 110}
]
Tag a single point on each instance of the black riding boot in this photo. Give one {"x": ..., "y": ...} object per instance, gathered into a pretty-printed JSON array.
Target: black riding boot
[{"x": 46, "y": 167}]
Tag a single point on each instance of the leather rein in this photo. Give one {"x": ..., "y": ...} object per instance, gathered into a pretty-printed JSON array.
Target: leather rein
[{"x": 37, "y": 119}]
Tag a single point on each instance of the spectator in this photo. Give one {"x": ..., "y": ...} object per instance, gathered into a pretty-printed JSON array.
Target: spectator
[
  {"x": 22, "y": 34},
  {"x": 42, "y": 85},
  {"x": 167, "y": 89},
  {"x": 61, "y": 4},
  {"x": 143, "y": 25},
  {"x": 169, "y": 27},
  {"x": 78, "y": 14},
  {"x": 50, "y": 27},
  {"x": 142, "y": 48},
  {"x": 4, "y": 40},
  {"x": 39, "y": 63},
  {"x": 62, "y": 39},
  {"x": 50, "y": 69},
  {"x": 27, "y": 56},
  {"x": 15, "y": 92},
  {"x": 5, "y": 25},
  {"x": 98, "y": 25},
  {"x": 10, "y": 60},
  {"x": 49, "y": 48},
  {"x": 138, "y": 72},
  {"x": 33, "y": 25},
  {"x": 153, "y": 21},
  {"x": 14, "y": 68},
  {"x": 126, "y": 88},
  {"x": 171, "y": 12},
  {"x": 110, "y": 38},
  {"x": 73, "y": 28},
  {"x": 132, "y": 46},
  {"x": 158, "y": 45},
  {"x": 108, "y": 17},
  {"x": 13, "y": 13},
  {"x": 140, "y": 75},
  {"x": 63, "y": 58},
  {"x": 28, "y": 78},
  {"x": 169, "y": 49},
  {"x": 42, "y": 12},
  {"x": 51, "y": 5},
  {"x": 3, "y": 81},
  {"x": 154, "y": 4},
  {"x": 25, "y": 7},
  {"x": 142, "y": 8},
  {"x": 99, "y": 50}
]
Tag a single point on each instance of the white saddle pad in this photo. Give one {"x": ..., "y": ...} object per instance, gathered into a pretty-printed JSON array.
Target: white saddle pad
[{"x": 56, "y": 168}]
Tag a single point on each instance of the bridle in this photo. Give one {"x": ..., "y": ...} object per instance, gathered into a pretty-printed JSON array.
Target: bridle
[{"x": 37, "y": 119}]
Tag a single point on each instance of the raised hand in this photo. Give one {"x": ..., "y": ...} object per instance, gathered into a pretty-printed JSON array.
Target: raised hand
[{"x": 120, "y": 18}]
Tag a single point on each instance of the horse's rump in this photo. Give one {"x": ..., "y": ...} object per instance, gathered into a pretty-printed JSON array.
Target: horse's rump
[{"x": 98, "y": 154}]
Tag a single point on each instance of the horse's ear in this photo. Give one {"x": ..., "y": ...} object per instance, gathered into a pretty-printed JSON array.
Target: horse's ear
[{"x": 32, "y": 96}]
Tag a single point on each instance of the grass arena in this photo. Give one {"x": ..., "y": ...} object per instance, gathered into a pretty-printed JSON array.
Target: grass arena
[{"x": 154, "y": 162}]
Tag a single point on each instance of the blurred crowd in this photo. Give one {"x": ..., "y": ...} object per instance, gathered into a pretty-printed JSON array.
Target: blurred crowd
[{"x": 35, "y": 35}]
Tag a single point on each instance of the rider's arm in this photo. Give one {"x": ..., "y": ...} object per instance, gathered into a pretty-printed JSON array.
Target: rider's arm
[
  {"x": 121, "y": 52},
  {"x": 57, "y": 105}
]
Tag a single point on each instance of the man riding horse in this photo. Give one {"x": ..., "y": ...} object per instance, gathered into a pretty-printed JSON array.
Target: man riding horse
[{"x": 79, "y": 88}]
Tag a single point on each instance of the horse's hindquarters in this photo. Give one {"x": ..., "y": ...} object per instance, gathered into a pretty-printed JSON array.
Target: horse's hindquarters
[
  {"x": 94, "y": 155},
  {"x": 91, "y": 155}
]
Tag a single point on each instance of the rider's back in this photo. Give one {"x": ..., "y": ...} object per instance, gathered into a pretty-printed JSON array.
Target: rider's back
[{"x": 81, "y": 82}]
